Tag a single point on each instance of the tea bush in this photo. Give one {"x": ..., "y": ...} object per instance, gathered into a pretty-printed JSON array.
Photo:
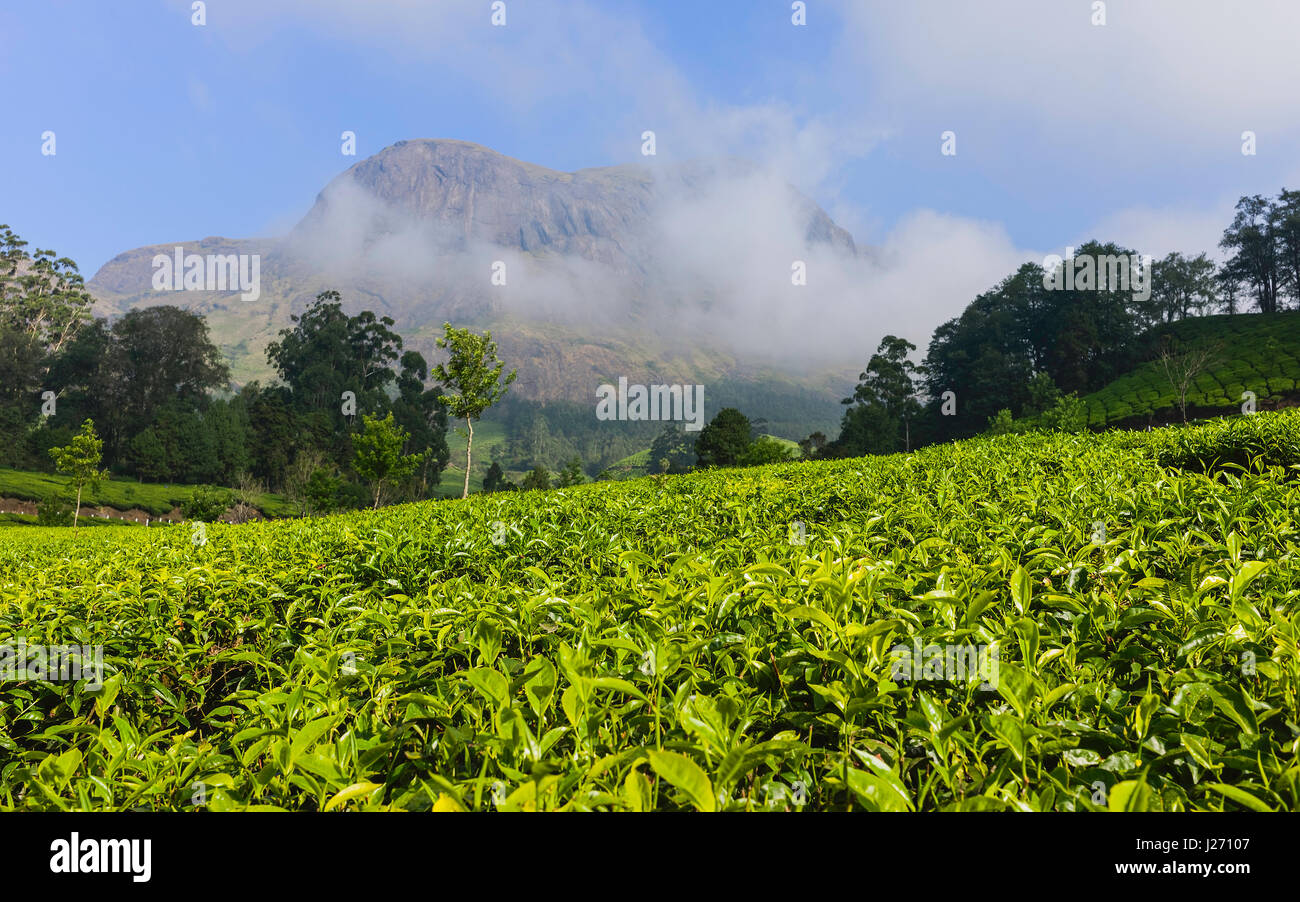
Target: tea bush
[
  {"x": 725, "y": 640},
  {"x": 1234, "y": 440}
]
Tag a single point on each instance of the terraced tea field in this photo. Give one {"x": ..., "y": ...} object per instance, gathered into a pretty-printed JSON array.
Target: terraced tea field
[
  {"x": 724, "y": 640},
  {"x": 1252, "y": 353}
]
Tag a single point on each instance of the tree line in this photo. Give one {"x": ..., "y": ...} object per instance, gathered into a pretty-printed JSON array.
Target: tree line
[
  {"x": 157, "y": 391},
  {"x": 1031, "y": 347}
]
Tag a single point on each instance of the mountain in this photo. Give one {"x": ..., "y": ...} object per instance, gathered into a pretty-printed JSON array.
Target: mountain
[{"x": 677, "y": 273}]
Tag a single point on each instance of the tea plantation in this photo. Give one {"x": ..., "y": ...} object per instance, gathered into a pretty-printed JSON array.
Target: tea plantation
[
  {"x": 1249, "y": 353},
  {"x": 724, "y": 640}
]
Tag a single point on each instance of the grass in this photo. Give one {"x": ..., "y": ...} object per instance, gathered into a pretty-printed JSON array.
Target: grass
[
  {"x": 122, "y": 494},
  {"x": 1257, "y": 353},
  {"x": 724, "y": 640}
]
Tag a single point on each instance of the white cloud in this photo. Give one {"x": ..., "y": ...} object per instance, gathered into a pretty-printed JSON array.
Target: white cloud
[
  {"x": 1160, "y": 230},
  {"x": 1172, "y": 71},
  {"x": 1163, "y": 78}
]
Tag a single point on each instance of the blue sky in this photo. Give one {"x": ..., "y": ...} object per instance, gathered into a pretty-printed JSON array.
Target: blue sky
[{"x": 1066, "y": 130}]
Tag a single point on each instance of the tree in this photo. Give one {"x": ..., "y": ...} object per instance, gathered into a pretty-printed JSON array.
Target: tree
[
  {"x": 148, "y": 457},
  {"x": 538, "y": 478},
  {"x": 865, "y": 429},
  {"x": 1182, "y": 368},
  {"x": 765, "y": 450},
  {"x": 1288, "y": 230},
  {"x": 421, "y": 414},
  {"x": 41, "y": 295},
  {"x": 1043, "y": 395},
  {"x": 1229, "y": 291},
  {"x": 327, "y": 352},
  {"x": 156, "y": 356},
  {"x": 21, "y": 362},
  {"x": 298, "y": 477},
  {"x": 226, "y": 424},
  {"x": 1253, "y": 243},
  {"x": 1181, "y": 286},
  {"x": 722, "y": 442},
  {"x": 80, "y": 461},
  {"x": 671, "y": 452},
  {"x": 189, "y": 449},
  {"x": 572, "y": 474},
  {"x": 379, "y": 459},
  {"x": 889, "y": 383},
  {"x": 472, "y": 377},
  {"x": 495, "y": 479},
  {"x": 275, "y": 432},
  {"x": 813, "y": 444}
]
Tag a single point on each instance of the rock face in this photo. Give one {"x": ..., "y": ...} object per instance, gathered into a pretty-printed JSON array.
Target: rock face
[{"x": 582, "y": 276}]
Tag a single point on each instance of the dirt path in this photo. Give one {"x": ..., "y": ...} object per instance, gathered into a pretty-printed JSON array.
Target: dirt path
[{"x": 133, "y": 515}]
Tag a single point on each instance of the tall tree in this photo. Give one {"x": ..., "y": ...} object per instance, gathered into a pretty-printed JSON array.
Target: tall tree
[
  {"x": 1288, "y": 230},
  {"x": 326, "y": 353},
  {"x": 379, "y": 459},
  {"x": 418, "y": 411},
  {"x": 889, "y": 383},
  {"x": 157, "y": 356},
  {"x": 1181, "y": 287},
  {"x": 472, "y": 379},
  {"x": 80, "y": 460},
  {"x": 41, "y": 294},
  {"x": 1253, "y": 245},
  {"x": 724, "y": 440}
]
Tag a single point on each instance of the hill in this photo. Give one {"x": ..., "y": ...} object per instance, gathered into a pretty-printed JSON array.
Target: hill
[
  {"x": 635, "y": 465},
  {"x": 1252, "y": 352},
  {"x": 583, "y": 276},
  {"x": 488, "y": 436},
  {"x": 122, "y": 495},
  {"x": 1035, "y": 622}
]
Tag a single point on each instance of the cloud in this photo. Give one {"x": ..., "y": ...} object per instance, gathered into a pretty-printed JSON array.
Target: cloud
[
  {"x": 1051, "y": 92},
  {"x": 710, "y": 264},
  {"x": 1160, "y": 231},
  {"x": 550, "y": 61},
  {"x": 1169, "y": 72}
]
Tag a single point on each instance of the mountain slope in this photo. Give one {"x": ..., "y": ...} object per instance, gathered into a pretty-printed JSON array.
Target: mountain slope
[{"x": 635, "y": 271}]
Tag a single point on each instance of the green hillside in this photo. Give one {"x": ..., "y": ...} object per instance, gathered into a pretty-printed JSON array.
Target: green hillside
[
  {"x": 630, "y": 467},
  {"x": 488, "y": 436},
  {"x": 1027, "y": 622},
  {"x": 1256, "y": 353},
  {"x": 122, "y": 494},
  {"x": 635, "y": 465}
]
